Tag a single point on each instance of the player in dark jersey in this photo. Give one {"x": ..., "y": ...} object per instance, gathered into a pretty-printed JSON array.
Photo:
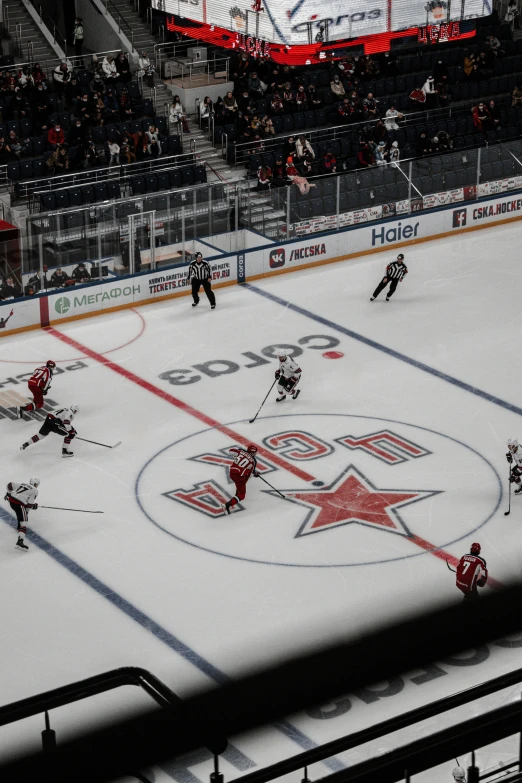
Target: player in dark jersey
[
  {"x": 472, "y": 573},
  {"x": 244, "y": 465}
]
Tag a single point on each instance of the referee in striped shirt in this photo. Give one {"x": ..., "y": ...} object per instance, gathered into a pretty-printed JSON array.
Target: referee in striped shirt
[
  {"x": 395, "y": 272},
  {"x": 200, "y": 275}
]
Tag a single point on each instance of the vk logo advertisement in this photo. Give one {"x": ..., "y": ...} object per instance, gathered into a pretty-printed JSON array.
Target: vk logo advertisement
[{"x": 277, "y": 258}]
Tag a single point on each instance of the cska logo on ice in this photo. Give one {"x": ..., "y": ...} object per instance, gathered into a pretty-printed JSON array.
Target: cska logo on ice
[{"x": 324, "y": 490}]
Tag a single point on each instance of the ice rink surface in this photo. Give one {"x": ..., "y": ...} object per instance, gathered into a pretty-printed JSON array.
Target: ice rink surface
[{"x": 392, "y": 460}]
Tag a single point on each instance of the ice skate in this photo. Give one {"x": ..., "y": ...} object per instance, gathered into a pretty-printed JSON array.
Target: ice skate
[
  {"x": 296, "y": 394},
  {"x": 226, "y": 507},
  {"x": 67, "y": 453},
  {"x": 281, "y": 398},
  {"x": 518, "y": 490},
  {"x": 21, "y": 545},
  {"x": 24, "y": 446}
]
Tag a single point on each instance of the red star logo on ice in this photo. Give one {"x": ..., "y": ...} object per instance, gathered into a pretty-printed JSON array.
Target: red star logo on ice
[{"x": 352, "y": 498}]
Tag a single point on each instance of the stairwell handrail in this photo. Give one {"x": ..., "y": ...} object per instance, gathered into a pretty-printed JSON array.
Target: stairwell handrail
[
  {"x": 378, "y": 730},
  {"x": 122, "y": 22},
  {"x": 100, "y": 683}
]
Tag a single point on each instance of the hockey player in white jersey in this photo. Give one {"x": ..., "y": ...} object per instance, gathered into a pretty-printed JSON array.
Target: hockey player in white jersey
[
  {"x": 21, "y": 498},
  {"x": 514, "y": 457},
  {"x": 289, "y": 375},
  {"x": 60, "y": 422}
]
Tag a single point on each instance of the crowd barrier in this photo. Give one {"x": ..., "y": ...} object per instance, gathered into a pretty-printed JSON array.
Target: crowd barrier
[{"x": 61, "y": 305}]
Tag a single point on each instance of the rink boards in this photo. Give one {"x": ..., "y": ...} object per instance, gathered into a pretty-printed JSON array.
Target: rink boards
[{"x": 255, "y": 263}]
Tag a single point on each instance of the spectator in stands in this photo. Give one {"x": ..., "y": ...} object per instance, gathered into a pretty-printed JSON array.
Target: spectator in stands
[
  {"x": 485, "y": 65},
  {"x": 241, "y": 71},
  {"x": 345, "y": 111},
  {"x": 177, "y": 114},
  {"x": 380, "y": 132},
  {"x": 40, "y": 113},
  {"x": 445, "y": 142},
  {"x": 264, "y": 177},
  {"x": 365, "y": 157},
  {"x": 494, "y": 113},
  {"x": 114, "y": 153},
  {"x": 73, "y": 92},
  {"x": 78, "y": 37},
  {"x": 146, "y": 69},
  {"x": 303, "y": 148},
  {"x": 25, "y": 80},
  {"x": 388, "y": 65},
  {"x": 77, "y": 133},
  {"x": 18, "y": 146},
  {"x": 315, "y": 102},
  {"x": 443, "y": 96},
  {"x": 112, "y": 111},
  {"x": 97, "y": 84},
  {"x": 381, "y": 153},
  {"x": 87, "y": 155},
  {"x": 123, "y": 68},
  {"x": 254, "y": 86},
  {"x": 126, "y": 107},
  {"x": 276, "y": 104},
  {"x": 288, "y": 98},
  {"x": 18, "y": 108},
  {"x": 511, "y": 16},
  {"x": 391, "y": 117},
  {"x": 9, "y": 289},
  {"x": 59, "y": 161},
  {"x": 299, "y": 181},
  {"x": 278, "y": 172},
  {"x": 127, "y": 155},
  {"x": 429, "y": 90},
  {"x": 80, "y": 274},
  {"x": 55, "y": 136},
  {"x": 154, "y": 143},
  {"x": 109, "y": 70},
  {"x": 394, "y": 153},
  {"x": 205, "y": 109},
  {"x": 516, "y": 95},
  {"x": 423, "y": 145},
  {"x": 493, "y": 45},
  {"x": 59, "y": 278},
  {"x": 255, "y": 125},
  {"x": 267, "y": 126},
  {"x": 230, "y": 105},
  {"x": 85, "y": 110},
  {"x": 417, "y": 99},
  {"x": 61, "y": 76},
  {"x": 469, "y": 62},
  {"x": 370, "y": 106},
  {"x": 329, "y": 163},
  {"x": 337, "y": 88},
  {"x": 481, "y": 118},
  {"x": 288, "y": 148},
  {"x": 99, "y": 108},
  {"x": 39, "y": 76},
  {"x": 301, "y": 99},
  {"x": 440, "y": 71},
  {"x": 6, "y": 154}
]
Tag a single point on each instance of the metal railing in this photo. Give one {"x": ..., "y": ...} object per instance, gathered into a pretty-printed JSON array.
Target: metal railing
[
  {"x": 170, "y": 49},
  {"x": 58, "y": 38},
  {"x": 111, "y": 9},
  {"x": 213, "y": 70}
]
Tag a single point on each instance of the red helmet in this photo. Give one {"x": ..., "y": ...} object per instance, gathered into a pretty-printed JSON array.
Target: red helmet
[
  {"x": 475, "y": 549},
  {"x": 51, "y": 364},
  {"x": 251, "y": 448}
]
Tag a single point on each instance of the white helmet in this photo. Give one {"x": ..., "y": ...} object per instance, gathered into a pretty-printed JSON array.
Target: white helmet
[
  {"x": 512, "y": 444},
  {"x": 75, "y": 409},
  {"x": 34, "y": 482},
  {"x": 458, "y": 773},
  {"x": 281, "y": 353}
]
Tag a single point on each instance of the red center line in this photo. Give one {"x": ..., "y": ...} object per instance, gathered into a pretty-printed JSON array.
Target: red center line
[
  {"x": 210, "y": 422},
  {"x": 130, "y": 376}
]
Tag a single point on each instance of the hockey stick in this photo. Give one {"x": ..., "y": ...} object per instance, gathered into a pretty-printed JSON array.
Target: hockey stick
[
  {"x": 81, "y": 510},
  {"x": 251, "y": 421},
  {"x": 271, "y": 487},
  {"x": 506, "y": 513},
  {"x": 99, "y": 444},
  {"x": 450, "y": 568}
]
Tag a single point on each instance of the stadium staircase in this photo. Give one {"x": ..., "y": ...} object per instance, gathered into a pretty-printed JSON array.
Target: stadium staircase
[{"x": 30, "y": 44}]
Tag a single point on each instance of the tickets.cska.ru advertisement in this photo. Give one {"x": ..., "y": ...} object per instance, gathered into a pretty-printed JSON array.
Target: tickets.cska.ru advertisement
[{"x": 295, "y": 22}]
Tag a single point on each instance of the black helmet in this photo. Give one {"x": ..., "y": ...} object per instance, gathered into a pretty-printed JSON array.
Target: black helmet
[
  {"x": 198, "y": 255},
  {"x": 400, "y": 257}
]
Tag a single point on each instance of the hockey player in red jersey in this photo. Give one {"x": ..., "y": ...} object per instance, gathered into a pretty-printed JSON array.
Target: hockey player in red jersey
[
  {"x": 472, "y": 573},
  {"x": 21, "y": 498},
  {"x": 244, "y": 465},
  {"x": 39, "y": 384},
  {"x": 59, "y": 422}
]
